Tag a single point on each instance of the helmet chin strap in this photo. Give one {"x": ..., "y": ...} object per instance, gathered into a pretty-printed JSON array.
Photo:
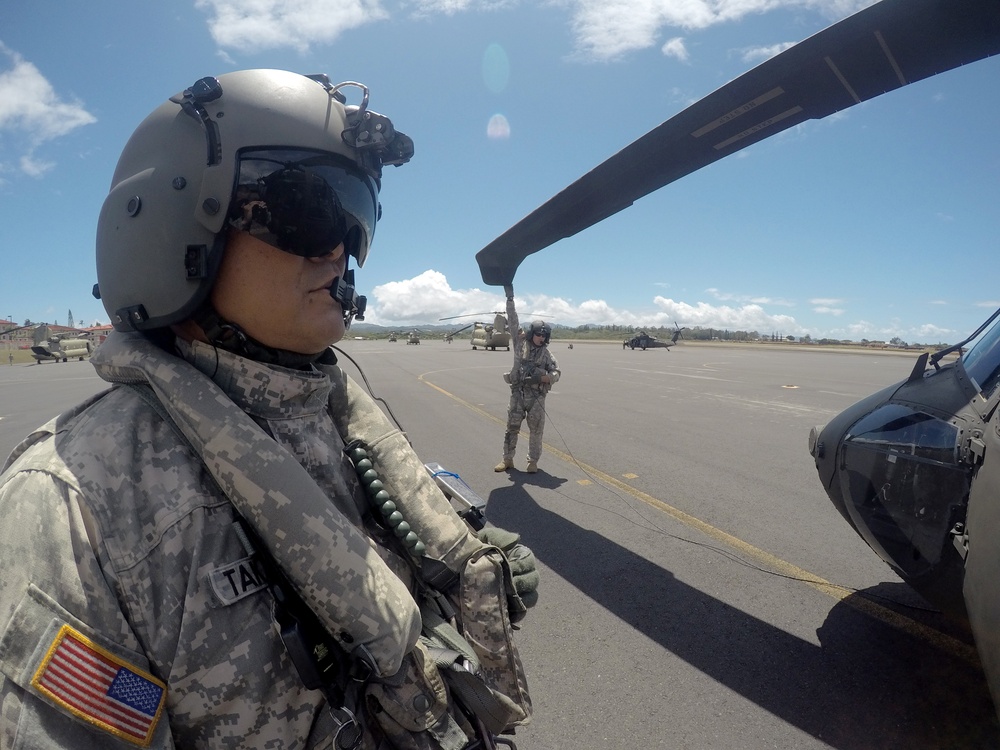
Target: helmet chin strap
[{"x": 229, "y": 336}]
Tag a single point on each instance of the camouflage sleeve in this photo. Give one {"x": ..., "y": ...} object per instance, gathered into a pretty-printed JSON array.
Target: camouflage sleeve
[
  {"x": 552, "y": 367},
  {"x": 513, "y": 325},
  {"x": 56, "y": 605}
]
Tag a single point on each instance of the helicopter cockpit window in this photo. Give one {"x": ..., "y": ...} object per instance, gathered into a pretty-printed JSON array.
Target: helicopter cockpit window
[
  {"x": 901, "y": 473},
  {"x": 902, "y": 430},
  {"x": 982, "y": 361}
]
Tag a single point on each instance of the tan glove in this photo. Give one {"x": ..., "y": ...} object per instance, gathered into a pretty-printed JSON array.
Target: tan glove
[{"x": 523, "y": 565}]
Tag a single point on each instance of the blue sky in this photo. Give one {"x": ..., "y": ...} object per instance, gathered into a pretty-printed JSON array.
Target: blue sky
[{"x": 881, "y": 221}]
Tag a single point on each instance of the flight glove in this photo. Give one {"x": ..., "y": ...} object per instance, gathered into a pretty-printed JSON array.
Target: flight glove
[{"x": 523, "y": 566}]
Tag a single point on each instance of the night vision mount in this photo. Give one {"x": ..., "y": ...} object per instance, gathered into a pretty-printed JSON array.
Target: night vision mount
[
  {"x": 374, "y": 138},
  {"x": 371, "y": 135}
]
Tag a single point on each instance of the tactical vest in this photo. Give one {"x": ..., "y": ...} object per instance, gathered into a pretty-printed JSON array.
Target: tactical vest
[{"x": 468, "y": 603}]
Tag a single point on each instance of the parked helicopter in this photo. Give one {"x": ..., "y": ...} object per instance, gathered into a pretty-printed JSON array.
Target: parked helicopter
[
  {"x": 915, "y": 468},
  {"x": 644, "y": 341},
  {"x": 485, "y": 335},
  {"x": 413, "y": 337},
  {"x": 59, "y": 346}
]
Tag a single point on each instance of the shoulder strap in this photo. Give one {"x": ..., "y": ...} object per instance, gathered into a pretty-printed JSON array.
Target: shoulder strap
[{"x": 273, "y": 492}]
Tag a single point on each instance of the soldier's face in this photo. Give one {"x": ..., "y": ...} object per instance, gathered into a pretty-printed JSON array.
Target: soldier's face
[{"x": 280, "y": 299}]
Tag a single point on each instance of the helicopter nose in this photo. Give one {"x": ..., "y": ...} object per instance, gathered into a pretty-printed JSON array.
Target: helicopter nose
[
  {"x": 817, "y": 447},
  {"x": 890, "y": 465}
]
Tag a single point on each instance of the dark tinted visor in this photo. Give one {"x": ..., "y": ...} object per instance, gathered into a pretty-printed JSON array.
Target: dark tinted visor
[{"x": 304, "y": 202}]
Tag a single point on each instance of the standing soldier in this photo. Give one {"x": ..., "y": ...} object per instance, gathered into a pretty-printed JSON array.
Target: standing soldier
[{"x": 531, "y": 377}]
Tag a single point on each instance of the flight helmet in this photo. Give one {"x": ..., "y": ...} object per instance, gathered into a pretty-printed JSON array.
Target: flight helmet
[
  {"x": 277, "y": 154},
  {"x": 540, "y": 326}
]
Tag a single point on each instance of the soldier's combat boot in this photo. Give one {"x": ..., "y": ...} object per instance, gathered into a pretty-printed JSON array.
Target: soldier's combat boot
[
  {"x": 532, "y": 467},
  {"x": 504, "y": 465}
]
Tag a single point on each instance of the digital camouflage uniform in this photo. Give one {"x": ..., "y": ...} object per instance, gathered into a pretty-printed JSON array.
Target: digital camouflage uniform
[
  {"x": 527, "y": 393},
  {"x": 125, "y": 545}
]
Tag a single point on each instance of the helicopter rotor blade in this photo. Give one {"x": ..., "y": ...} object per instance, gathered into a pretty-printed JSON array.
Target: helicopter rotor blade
[
  {"x": 471, "y": 315},
  {"x": 881, "y": 48}
]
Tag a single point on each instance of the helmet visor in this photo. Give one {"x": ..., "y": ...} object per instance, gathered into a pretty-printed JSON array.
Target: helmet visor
[{"x": 304, "y": 202}]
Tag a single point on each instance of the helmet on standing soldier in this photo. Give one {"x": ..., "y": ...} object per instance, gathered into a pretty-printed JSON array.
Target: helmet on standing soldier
[{"x": 540, "y": 326}]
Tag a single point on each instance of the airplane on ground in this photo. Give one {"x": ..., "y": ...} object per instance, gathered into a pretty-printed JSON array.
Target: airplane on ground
[{"x": 915, "y": 468}]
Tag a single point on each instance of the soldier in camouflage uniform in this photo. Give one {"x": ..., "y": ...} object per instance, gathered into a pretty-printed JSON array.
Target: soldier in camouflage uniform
[
  {"x": 532, "y": 376},
  {"x": 232, "y": 547}
]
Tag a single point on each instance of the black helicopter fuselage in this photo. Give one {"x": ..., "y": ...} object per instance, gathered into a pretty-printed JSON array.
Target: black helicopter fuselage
[{"x": 915, "y": 470}]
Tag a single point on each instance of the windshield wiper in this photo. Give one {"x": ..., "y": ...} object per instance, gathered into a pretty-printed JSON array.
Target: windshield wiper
[{"x": 936, "y": 357}]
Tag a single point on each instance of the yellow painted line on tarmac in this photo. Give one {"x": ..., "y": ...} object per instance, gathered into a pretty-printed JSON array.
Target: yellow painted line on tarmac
[{"x": 936, "y": 638}]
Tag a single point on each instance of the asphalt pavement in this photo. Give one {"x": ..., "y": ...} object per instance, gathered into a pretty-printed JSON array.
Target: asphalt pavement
[{"x": 698, "y": 589}]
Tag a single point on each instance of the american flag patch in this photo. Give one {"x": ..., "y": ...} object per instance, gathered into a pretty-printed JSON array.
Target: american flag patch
[{"x": 96, "y": 686}]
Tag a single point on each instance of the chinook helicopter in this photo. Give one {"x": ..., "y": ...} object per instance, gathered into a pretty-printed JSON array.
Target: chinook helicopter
[
  {"x": 59, "y": 346},
  {"x": 915, "y": 468},
  {"x": 486, "y": 335}
]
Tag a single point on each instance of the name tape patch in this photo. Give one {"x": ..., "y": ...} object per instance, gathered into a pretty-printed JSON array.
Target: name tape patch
[
  {"x": 235, "y": 581},
  {"x": 100, "y": 688}
]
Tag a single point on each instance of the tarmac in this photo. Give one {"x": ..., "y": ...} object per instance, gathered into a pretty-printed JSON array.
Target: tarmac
[{"x": 698, "y": 588}]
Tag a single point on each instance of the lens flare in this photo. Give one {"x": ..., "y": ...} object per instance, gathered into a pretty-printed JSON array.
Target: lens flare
[
  {"x": 498, "y": 128},
  {"x": 496, "y": 68}
]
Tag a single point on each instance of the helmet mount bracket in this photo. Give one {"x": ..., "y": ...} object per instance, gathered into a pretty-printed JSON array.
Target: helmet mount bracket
[{"x": 192, "y": 101}]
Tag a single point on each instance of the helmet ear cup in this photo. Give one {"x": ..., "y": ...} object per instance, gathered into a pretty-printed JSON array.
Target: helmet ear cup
[{"x": 155, "y": 261}]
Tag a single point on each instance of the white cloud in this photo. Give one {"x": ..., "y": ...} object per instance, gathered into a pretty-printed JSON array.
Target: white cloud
[
  {"x": 759, "y": 54},
  {"x": 608, "y": 29},
  {"x": 449, "y": 7},
  {"x": 427, "y": 298},
  {"x": 32, "y": 111},
  {"x": 749, "y": 317},
  {"x": 603, "y": 29},
  {"x": 675, "y": 48},
  {"x": 927, "y": 333},
  {"x": 270, "y": 24},
  {"x": 748, "y": 299},
  {"x": 930, "y": 333}
]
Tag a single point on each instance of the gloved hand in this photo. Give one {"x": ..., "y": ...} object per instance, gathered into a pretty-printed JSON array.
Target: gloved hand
[{"x": 523, "y": 566}]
